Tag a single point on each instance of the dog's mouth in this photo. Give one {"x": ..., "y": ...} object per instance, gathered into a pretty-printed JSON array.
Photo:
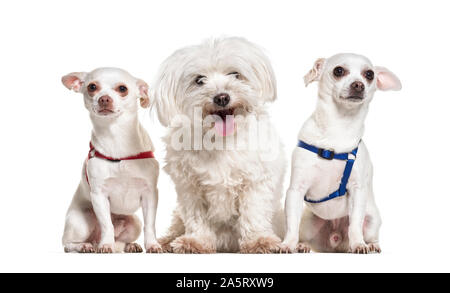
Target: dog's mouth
[
  {"x": 223, "y": 113},
  {"x": 354, "y": 98},
  {"x": 105, "y": 112},
  {"x": 224, "y": 121}
]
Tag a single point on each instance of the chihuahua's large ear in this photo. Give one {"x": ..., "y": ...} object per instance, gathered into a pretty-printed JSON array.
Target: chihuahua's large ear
[
  {"x": 386, "y": 80},
  {"x": 144, "y": 99},
  {"x": 315, "y": 73},
  {"x": 74, "y": 81}
]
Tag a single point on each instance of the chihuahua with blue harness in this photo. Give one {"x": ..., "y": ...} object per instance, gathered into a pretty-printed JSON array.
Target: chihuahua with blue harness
[{"x": 331, "y": 168}]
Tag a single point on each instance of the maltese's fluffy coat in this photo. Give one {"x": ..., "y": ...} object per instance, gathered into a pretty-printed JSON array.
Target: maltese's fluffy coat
[{"x": 228, "y": 199}]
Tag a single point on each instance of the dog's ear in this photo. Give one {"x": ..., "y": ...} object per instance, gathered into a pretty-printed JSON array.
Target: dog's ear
[
  {"x": 386, "y": 80},
  {"x": 266, "y": 76},
  {"x": 164, "y": 89},
  {"x": 74, "y": 81},
  {"x": 144, "y": 99},
  {"x": 315, "y": 73}
]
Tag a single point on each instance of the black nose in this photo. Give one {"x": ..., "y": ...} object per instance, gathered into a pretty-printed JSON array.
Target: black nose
[
  {"x": 222, "y": 99},
  {"x": 357, "y": 86}
]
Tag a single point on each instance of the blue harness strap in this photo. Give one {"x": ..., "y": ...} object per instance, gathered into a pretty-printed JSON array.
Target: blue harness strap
[{"x": 330, "y": 155}]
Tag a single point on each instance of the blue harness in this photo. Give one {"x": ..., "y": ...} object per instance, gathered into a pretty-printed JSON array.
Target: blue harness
[{"x": 330, "y": 155}]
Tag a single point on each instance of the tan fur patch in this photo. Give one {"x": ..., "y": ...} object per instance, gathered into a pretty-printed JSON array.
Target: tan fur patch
[
  {"x": 186, "y": 244},
  {"x": 268, "y": 244}
]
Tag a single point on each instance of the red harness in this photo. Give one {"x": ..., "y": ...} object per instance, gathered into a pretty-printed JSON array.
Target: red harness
[{"x": 94, "y": 153}]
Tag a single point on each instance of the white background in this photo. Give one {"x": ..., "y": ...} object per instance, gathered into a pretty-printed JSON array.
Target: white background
[{"x": 45, "y": 129}]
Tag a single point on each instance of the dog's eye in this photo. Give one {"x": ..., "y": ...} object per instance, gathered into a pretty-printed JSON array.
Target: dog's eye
[
  {"x": 122, "y": 90},
  {"x": 339, "y": 71},
  {"x": 236, "y": 74},
  {"x": 370, "y": 75},
  {"x": 92, "y": 87},
  {"x": 200, "y": 80}
]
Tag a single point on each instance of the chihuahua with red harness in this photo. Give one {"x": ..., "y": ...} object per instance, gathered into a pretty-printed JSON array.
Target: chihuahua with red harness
[{"x": 120, "y": 173}]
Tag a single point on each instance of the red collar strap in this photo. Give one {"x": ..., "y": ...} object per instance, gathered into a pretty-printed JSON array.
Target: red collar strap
[{"x": 94, "y": 153}]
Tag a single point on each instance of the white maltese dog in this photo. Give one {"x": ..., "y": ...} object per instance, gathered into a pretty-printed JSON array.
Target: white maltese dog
[{"x": 222, "y": 153}]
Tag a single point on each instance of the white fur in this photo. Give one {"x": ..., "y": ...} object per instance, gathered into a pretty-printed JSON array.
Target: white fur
[
  {"x": 336, "y": 124},
  {"x": 101, "y": 215},
  {"x": 227, "y": 199}
]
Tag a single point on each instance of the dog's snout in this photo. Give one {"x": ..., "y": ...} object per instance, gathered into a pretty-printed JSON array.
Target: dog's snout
[
  {"x": 357, "y": 86},
  {"x": 105, "y": 101},
  {"x": 222, "y": 99}
]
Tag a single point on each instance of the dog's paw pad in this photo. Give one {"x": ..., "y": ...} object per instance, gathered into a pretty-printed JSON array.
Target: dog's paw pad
[{"x": 132, "y": 248}]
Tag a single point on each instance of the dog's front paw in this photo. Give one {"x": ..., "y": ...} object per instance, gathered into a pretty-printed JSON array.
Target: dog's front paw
[
  {"x": 153, "y": 248},
  {"x": 188, "y": 244},
  {"x": 105, "y": 248},
  {"x": 284, "y": 248},
  {"x": 360, "y": 248},
  {"x": 265, "y": 244},
  {"x": 82, "y": 248},
  {"x": 132, "y": 248},
  {"x": 374, "y": 247},
  {"x": 288, "y": 247}
]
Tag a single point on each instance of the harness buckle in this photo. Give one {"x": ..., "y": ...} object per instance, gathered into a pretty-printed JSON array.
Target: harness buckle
[{"x": 325, "y": 154}]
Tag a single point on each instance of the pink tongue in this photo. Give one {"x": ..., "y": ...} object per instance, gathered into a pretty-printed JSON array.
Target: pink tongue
[{"x": 224, "y": 128}]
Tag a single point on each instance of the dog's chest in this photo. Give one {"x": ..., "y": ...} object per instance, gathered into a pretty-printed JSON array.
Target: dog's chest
[
  {"x": 224, "y": 185},
  {"x": 222, "y": 181},
  {"x": 124, "y": 190},
  {"x": 124, "y": 194},
  {"x": 229, "y": 170},
  {"x": 328, "y": 175}
]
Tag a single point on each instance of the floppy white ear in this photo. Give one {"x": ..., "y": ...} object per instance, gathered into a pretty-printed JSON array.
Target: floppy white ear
[
  {"x": 386, "y": 80},
  {"x": 144, "y": 99},
  {"x": 164, "y": 90},
  {"x": 74, "y": 81},
  {"x": 315, "y": 73},
  {"x": 265, "y": 75}
]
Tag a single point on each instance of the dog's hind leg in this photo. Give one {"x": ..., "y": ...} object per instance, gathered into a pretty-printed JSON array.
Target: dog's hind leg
[
  {"x": 371, "y": 227},
  {"x": 310, "y": 227},
  {"x": 79, "y": 229},
  {"x": 126, "y": 230}
]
